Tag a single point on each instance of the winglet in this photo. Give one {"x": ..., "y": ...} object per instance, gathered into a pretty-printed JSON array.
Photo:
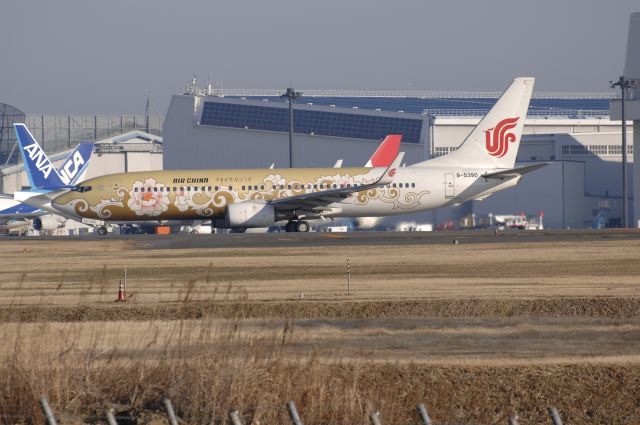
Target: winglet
[{"x": 386, "y": 152}]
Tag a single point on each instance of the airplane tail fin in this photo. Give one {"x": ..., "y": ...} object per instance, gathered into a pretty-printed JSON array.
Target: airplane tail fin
[
  {"x": 494, "y": 142},
  {"x": 386, "y": 152},
  {"x": 73, "y": 168},
  {"x": 41, "y": 173}
]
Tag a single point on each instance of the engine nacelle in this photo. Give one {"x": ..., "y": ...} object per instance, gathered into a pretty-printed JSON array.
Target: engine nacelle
[
  {"x": 48, "y": 222},
  {"x": 250, "y": 214}
]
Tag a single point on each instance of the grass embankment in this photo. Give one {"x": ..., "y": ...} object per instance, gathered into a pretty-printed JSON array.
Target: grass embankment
[{"x": 476, "y": 332}]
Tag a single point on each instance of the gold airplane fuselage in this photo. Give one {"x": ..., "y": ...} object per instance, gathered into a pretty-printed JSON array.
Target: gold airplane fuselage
[{"x": 205, "y": 194}]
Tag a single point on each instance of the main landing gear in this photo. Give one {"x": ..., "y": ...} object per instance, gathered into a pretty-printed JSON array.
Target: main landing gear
[{"x": 297, "y": 226}]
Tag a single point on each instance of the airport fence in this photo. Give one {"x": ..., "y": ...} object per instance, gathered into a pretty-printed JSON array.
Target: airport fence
[{"x": 112, "y": 415}]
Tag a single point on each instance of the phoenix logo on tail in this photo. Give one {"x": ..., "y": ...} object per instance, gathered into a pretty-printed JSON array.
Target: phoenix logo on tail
[{"x": 498, "y": 138}]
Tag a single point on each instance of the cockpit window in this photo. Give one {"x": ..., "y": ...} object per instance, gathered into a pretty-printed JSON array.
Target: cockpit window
[{"x": 81, "y": 189}]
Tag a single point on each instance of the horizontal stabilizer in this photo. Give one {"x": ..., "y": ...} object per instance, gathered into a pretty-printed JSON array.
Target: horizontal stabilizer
[{"x": 514, "y": 172}]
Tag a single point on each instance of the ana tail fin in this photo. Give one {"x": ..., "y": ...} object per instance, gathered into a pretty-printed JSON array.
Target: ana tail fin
[
  {"x": 41, "y": 173},
  {"x": 494, "y": 142},
  {"x": 75, "y": 165}
]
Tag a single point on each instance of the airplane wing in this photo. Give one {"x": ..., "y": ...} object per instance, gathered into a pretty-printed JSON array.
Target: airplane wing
[
  {"x": 317, "y": 201},
  {"x": 514, "y": 172}
]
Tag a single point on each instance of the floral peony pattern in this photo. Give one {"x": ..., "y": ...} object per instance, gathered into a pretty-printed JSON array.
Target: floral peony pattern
[{"x": 148, "y": 198}]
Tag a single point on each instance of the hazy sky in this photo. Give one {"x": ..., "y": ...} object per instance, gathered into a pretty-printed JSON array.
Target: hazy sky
[{"x": 101, "y": 57}]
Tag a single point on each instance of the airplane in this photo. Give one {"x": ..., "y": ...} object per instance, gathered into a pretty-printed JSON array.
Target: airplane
[
  {"x": 482, "y": 165},
  {"x": 39, "y": 171},
  {"x": 16, "y": 214}
]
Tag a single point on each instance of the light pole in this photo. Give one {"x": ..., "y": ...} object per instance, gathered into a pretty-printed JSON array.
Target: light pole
[
  {"x": 624, "y": 85},
  {"x": 291, "y": 95}
]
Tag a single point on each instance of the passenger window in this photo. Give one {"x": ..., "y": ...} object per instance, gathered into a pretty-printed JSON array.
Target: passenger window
[
  {"x": 315, "y": 186},
  {"x": 135, "y": 189},
  {"x": 413, "y": 185},
  {"x": 334, "y": 186},
  {"x": 261, "y": 187},
  {"x": 204, "y": 188},
  {"x": 289, "y": 186},
  {"x": 400, "y": 185},
  {"x": 243, "y": 187},
  {"x": 393, "y": 185},
  {"x": 230, "y": 187}
]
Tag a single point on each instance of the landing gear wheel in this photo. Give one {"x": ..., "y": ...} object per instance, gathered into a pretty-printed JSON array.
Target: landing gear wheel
[
  {"x": 102, "y": 231},
  {"x": 290, "y": 226},
  {"x": 302, "y": 226}
]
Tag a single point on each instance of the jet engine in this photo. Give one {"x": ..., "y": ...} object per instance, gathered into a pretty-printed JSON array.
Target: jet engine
[
  {"x": 48, "y": 222},
  {"x": 250, "y": 214}
]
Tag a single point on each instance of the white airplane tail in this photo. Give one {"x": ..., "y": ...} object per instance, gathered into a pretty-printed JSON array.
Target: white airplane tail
[{"x": 494, "y": 142}]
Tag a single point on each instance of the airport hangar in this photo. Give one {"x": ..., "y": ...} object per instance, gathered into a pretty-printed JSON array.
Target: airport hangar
[
  {"x": 206, "y": 128},
  {"x": 122, "y": 142}
]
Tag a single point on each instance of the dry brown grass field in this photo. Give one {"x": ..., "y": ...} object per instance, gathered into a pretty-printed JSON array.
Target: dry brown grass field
[{"x": 475, "y": 331}]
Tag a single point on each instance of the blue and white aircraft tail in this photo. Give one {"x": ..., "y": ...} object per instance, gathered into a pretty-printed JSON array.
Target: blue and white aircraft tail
[
  {"x": 41, "y": 172},
  {"x": 43, "y": 177}
]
